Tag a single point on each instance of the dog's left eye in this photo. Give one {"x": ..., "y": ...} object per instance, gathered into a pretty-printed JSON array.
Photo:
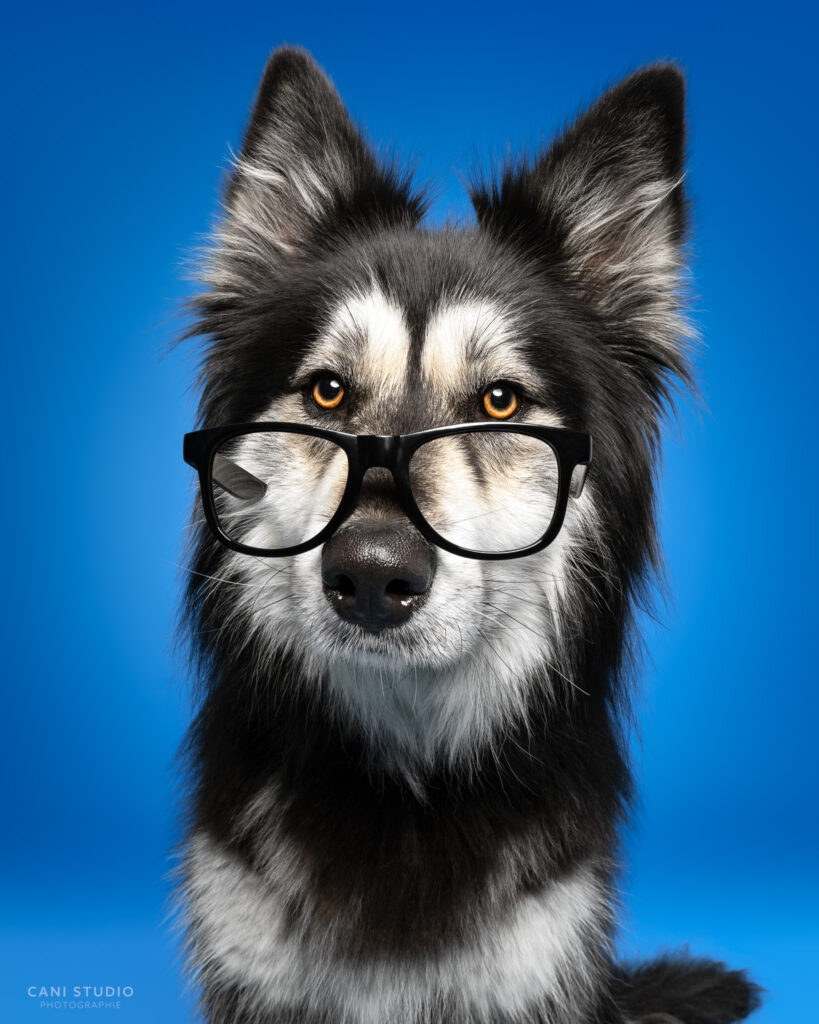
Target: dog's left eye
[{"x": 500, "y": 401}]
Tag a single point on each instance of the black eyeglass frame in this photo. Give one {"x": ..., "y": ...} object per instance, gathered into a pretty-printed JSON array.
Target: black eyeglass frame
[{"x": 393, "y": 452}]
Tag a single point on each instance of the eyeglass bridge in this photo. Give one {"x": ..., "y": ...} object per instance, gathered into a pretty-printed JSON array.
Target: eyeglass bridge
[{"x": 378, "y": 451}]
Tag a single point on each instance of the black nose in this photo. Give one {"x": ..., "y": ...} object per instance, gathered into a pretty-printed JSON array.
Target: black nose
[{"x": 377, "y": 577}]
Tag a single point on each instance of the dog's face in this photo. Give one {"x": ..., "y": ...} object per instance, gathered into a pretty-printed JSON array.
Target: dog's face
[{"x": 329, "y": 306}]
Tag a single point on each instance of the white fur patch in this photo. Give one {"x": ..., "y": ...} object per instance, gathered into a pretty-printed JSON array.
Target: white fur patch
[
  {"x": 458, "y": 335},
  {"x": 471, "y": 344},
  {"x": 544, "y": 947},
  {"x": 366, "y": 336}
]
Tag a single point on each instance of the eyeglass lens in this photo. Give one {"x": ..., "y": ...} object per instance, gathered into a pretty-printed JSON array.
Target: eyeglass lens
[{"x": 486, "y": 492}]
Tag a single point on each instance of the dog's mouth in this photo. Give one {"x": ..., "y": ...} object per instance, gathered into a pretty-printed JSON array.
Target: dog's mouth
[
  {"x": 426, "y": 638},
  {"x": 405, "y": 642}
]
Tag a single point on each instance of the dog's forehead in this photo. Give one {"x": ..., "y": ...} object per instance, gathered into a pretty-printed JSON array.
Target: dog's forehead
[{"x": 379, "y": 342}]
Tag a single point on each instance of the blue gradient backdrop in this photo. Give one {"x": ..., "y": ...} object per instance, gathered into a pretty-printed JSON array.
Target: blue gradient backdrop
[{"x": 116, "y": 124}]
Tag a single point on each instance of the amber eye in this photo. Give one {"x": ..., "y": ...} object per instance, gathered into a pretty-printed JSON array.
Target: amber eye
[
  {"x": 328, "y": 391},
  {"x": 500, "y": 401}
]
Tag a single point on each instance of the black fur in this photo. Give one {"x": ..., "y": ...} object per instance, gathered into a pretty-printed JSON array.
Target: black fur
[
  {"x": 405, "y": 871},
  {"x": 682, "y": 988}
]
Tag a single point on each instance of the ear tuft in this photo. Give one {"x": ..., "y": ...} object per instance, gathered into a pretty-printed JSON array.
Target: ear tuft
[
  {"x": 604, "y": 207},
  {"x": 304, "y": 174}
]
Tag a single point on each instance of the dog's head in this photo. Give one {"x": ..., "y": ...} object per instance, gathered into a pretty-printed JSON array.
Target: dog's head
[{"x": 329, "y": 304}]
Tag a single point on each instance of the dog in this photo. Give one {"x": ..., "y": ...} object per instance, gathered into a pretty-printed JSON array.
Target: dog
[{"x": 414, "y": 641}]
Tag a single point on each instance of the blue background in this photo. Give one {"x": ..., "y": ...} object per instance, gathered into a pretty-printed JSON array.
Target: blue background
[{"x": 116, "y": 124}]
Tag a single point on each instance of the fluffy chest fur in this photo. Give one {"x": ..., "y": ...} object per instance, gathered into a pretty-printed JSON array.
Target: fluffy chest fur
[{"x": 259, "y": 935}]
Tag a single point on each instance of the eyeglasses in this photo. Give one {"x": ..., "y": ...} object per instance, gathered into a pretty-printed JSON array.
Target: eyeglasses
[{"x": 480, "y": 490}]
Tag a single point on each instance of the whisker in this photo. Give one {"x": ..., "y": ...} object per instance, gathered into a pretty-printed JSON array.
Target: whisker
[{"x": 219, "y": 579}]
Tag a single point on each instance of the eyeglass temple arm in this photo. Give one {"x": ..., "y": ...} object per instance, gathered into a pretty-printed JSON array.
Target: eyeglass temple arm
[
  {"x": 235, "y": 480},
  {"x": 579, "y": 474}
]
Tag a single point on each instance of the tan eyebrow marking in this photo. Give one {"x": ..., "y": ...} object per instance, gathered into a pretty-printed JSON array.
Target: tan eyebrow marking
[
  {"x": 468, "y": 339},
  {"x": 367, "y": 335}
]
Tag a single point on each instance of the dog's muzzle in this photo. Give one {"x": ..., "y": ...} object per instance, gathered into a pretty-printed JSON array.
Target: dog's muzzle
[{"x": 377, "y": 577}]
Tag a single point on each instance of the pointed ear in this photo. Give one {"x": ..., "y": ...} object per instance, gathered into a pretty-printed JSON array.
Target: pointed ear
[
  {"x": 604, "y": 206},
  {"x": 304, "y": 172}
]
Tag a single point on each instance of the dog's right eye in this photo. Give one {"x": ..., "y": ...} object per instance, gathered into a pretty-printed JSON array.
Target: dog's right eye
[{"x": 328, "y": 391}]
